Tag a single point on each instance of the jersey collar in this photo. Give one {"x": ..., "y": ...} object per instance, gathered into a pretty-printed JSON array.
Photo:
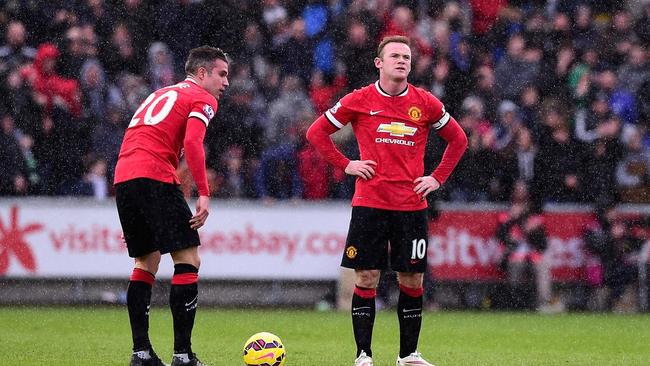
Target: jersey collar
[
  {"x": 191, "y": 79},
  {"x": 382, "y": 92}
]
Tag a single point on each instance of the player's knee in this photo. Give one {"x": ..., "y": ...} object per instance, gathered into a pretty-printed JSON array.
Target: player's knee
[
  {"x": 189, "y": 256},
  {"x": 367, "y": 278},
  {"x": 412, "y": 280},
  {"x": 149, "y": 262}
]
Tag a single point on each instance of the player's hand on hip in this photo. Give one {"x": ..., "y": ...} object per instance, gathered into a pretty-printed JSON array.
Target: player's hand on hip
[
  {"x": 202, "y": 208},
  {"x": 425, "y": 185},
  {"x": 364, "y": 169}
]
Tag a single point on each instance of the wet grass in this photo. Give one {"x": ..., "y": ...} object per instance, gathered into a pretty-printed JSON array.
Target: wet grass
[{"x": 101, "y": 336}]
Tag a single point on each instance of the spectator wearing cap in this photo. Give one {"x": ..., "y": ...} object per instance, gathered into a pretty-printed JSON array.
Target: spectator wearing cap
[
  {"x": 507, "y": 124},
  {"x": 633, "y": 170}
]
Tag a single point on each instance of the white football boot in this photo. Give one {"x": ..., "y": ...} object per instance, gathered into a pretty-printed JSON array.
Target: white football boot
[
  {"x": 363, "y": 360},
  {"x": 414, "y": 359}
]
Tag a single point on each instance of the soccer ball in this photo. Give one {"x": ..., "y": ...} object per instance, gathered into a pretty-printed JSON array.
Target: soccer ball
[{"x": 264, "y": 349}]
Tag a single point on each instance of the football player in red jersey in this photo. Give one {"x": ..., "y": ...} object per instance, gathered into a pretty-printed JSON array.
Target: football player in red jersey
[
  {"x": 154, "y": 215},
  {"x": 391, "y": 120}
]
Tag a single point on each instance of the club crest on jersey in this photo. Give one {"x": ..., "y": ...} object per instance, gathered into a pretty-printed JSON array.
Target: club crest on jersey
[
  {"x": 397, "y": 129},
  {"x": 207, "y": 109},
  {"x": 415, "y": 113},
  {"x": 351, "y": 252}
]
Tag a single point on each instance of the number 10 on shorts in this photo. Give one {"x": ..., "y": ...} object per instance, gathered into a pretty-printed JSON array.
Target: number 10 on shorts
[{"x": 419, "y": 249}]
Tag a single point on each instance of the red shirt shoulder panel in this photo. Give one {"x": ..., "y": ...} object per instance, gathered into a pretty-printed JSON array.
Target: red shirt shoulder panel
[{"x": 346, "y": 109}]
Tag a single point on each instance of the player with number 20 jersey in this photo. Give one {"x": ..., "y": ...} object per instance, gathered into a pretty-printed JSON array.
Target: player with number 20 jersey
[
  {"x": 153, "y": 212},
  {"x": 153, "y": 142}
]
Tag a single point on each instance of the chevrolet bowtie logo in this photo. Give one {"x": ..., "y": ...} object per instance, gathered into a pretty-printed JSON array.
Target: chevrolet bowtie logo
[{"x": 397, "y": 129}]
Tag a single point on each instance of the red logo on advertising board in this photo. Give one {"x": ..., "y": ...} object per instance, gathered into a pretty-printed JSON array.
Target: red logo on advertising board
[{"x": 13, "y": 243}]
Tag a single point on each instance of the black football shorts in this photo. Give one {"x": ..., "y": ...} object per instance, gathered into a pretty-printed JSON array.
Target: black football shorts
[
  {"x": 154, "y": 217},
  {"x": 375, "y": 235}
]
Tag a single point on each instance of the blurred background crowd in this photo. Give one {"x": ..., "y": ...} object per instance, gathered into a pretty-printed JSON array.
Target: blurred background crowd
[{"x": 552, "y": 94}]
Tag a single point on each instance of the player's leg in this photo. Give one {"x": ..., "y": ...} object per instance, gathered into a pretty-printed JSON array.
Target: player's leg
[
  {"x": 181, "y": 241},
  {"x": 409, "y": 245},
  {"x": 140, "y": 244},
  {"x": 363, "y": 313},
  {"x": 366, "y": 252},
  {"x": 183, "y": 301},
  {"x": 409, "y": 311},
  {"x": 138, "y": 302}
]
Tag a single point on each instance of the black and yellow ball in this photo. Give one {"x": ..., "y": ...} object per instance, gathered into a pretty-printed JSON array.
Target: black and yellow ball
[{"x": 264, "y": 349}]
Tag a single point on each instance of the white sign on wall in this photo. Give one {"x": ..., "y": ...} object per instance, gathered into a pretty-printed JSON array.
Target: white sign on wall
[{"x": 72, "y": 238}]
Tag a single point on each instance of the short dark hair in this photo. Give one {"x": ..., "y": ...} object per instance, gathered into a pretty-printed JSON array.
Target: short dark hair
[
  {"x": 389, "y": 39},
  {"x": 202, "y": 57}
]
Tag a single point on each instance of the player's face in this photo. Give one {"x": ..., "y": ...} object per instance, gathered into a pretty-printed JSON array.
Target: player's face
[
  {"x": 395, "y": 62},
  {"x": 215, "y": 81}
]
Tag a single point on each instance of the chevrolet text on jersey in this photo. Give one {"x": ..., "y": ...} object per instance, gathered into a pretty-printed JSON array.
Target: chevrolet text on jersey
[{"x": 386, "y": 140}]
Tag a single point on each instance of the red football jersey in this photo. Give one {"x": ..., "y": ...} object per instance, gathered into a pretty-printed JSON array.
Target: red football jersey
[
  {"x": 392, "y": 131},
  {"x": 153, "y": 141}
]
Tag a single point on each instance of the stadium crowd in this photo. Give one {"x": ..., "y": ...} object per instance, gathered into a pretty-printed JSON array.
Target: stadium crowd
[{"x": 554, "y": 94}]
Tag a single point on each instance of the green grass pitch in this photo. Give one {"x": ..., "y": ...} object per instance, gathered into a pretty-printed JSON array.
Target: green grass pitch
[{"x": 101, "y": 336}]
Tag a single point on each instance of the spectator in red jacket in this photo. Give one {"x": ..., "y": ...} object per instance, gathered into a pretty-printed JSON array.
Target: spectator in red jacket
[
  {"x": 485, "y": 14},
  {"x": 50, "y": 89}
]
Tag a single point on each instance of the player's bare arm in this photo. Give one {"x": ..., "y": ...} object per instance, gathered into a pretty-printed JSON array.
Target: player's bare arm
[{"x": 361, "y": 168}]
